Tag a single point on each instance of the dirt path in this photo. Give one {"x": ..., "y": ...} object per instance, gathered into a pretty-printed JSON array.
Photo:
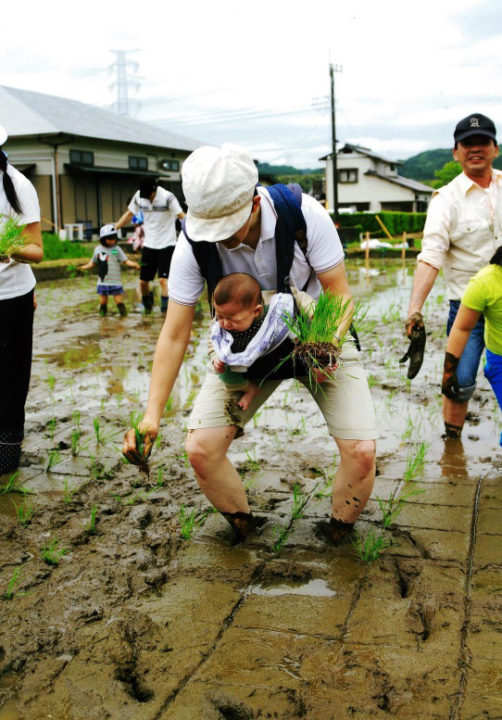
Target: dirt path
[{"x": 135, "y": 622}]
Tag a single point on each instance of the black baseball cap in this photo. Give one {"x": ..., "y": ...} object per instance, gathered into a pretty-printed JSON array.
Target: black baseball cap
[{"x": 475, "y": 124}]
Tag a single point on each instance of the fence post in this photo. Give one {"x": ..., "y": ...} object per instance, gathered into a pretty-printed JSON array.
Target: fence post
[{"x": 367, "y": 253}]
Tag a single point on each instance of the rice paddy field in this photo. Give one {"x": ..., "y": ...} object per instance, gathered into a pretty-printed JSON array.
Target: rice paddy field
[{"x": 122, "y": 598}]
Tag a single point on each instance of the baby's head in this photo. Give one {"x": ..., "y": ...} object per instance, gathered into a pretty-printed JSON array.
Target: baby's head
[
  {"x": 108, "y": 235},
  {"x": 237, "y": 301}
]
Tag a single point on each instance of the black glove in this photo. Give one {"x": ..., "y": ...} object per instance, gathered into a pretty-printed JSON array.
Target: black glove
[
  {"x": 415, "y": 330},
  {"x": 449, "y": 386}
]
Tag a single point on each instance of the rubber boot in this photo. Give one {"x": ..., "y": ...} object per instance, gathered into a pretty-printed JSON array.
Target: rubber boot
[
  {"x": 242, "y": 524},
  {"x": 10, "y": 451},
  {"x": 164, "y": 300},
  {"x": 147, "y": 301},
  {"x": 103, "y": 309},
  {"x": 122, "y": 309}
]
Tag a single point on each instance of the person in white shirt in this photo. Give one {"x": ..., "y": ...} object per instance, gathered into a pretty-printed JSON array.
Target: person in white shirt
[
  {"x": 462, "y": 231},
  {"x": 237, "y": 223},
  {"x": 18, "y": 203},
  {"x": 159, "y": 208}
]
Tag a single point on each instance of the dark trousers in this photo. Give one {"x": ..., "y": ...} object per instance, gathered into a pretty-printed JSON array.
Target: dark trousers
[{"x": 16, "y": 333}]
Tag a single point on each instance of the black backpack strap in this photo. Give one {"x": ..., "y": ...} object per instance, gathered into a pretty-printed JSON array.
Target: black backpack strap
[{"x": 209, "y": 262}]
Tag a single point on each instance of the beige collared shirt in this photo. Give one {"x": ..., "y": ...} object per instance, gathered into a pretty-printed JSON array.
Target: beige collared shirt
[{"x": 463, "y": 229}]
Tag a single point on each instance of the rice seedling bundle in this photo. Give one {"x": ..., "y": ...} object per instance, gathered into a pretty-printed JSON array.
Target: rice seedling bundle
[{"x": 11, "y": 238}]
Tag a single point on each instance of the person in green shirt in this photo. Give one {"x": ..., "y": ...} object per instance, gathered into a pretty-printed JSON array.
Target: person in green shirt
[{"x": 483, "y": 296}]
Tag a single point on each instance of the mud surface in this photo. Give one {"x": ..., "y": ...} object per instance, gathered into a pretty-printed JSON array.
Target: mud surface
[{"x": 137, "y": 622}]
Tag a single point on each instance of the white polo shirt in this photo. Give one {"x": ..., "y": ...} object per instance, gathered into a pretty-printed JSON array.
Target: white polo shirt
[
  {"x": 17, "y": 279},
  {"x": 463, "y": 229},
  {"x": 324, "y": 252},
  {"x": 159, "y": 218}
]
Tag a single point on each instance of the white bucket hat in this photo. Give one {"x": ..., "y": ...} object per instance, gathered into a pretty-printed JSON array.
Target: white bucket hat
[
  {"x": 3, "y": 135},
  {"x": 218, "y": 184}
]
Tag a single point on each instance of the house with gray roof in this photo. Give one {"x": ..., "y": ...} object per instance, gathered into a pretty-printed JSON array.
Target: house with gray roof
[
  {"x": 370, "y": 182},
  {"x": 86, "y": 162}
]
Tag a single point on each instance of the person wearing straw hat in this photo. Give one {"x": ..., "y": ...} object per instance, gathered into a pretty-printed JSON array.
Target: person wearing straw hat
[
  {"x": 19, "y": 215},
  {"x": 462, "y": 231},
  {"x": 237, "y": 219}
]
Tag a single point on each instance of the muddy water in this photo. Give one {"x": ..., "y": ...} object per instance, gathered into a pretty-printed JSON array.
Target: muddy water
[{"x": 133, "y": 621}]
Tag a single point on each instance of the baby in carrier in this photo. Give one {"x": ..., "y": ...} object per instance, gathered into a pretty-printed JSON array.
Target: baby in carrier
[{"x": 250, "y": 335}]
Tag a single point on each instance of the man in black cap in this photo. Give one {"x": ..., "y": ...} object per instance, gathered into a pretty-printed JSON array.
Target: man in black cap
[
  {"x": 160, "y": 208},
  {"x": 462, "y": 231}
]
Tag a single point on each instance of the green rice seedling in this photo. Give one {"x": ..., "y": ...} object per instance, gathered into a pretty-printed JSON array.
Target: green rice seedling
[
  {"x": 52, "y": 553},
  {"x": 75, "y": 441},
  {"x": 314, "y": 336},
  {"x": 326, "y": 491},
  {"x": 67, "y": 493},
  {"x": 98, "y": 471},
  {"x": 53, "y": 458},
  {"x": 300, "y": 501},
  {"x": 91, "y": 525},
  {"x": 51, "y": 382},
  {"x": 160, "y": 476},
  {"x": 11, "y": 238},
  {"x": 13, "y": 486},
  {"x": 24, "y": 513},
  {"x": 251, "y": 464},
  {"x": 392, "y": 507},
  {"x": 369, "y": 546},
  {"x": 415, "y": 463},
  {"x": 51, "y": 427},
  {"x": 140, "y": 441},
  {"x": 132, "y": 499},
  {"x": 97, "y": 431},
  {"x": 10, "y": 592},
  {"x": 76, "y": 419},
  {"x": 282, "y": 535},
  {"x": 187, "y": 522}
]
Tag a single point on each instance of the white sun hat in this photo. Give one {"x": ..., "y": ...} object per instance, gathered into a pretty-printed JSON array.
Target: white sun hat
[
  {"x": 218, "y": 184},
  {"x": 3, "y": 135}
]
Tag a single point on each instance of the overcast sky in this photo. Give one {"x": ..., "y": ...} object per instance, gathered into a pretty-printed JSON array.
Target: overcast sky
[{"x": 257, "y": 73}]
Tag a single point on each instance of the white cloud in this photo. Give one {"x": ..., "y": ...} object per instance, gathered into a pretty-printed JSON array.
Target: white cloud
[{"x": 409, "y": 71}]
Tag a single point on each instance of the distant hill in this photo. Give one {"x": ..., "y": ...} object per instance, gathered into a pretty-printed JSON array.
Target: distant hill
[
  {"x": 422, "y": 166},
  {"x": 266, "y": 169}
]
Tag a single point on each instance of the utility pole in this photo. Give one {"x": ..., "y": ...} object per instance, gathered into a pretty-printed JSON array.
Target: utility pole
[
  {"x": 123, "y": 78},
  {"x": 332, "y": 70}
]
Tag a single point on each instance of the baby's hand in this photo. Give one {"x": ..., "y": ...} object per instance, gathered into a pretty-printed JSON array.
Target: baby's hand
[{"x": 218, "y": 365}]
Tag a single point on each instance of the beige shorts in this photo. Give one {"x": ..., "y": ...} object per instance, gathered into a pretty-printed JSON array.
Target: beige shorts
[{"x": 345, "y": 403}]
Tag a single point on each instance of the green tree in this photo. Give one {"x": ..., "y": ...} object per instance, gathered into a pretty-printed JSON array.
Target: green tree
[{"x": 446, "y": 174}]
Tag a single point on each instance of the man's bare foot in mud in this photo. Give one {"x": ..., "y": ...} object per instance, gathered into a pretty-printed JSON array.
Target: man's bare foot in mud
[
  {"x": 248, "y": 396},
  {"x": 335, "y": 531},
  {"x": 242, "y": 524}
]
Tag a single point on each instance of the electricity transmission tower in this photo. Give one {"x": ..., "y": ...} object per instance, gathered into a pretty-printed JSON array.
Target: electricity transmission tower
[{"x": 125, "y": 74}]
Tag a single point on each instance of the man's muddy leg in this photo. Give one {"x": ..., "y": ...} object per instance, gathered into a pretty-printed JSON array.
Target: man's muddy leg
[
  {"x": 217, "y": 477},
  {"x": 352, "y": 485}
]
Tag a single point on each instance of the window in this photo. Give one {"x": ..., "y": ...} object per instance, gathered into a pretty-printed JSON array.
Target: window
[
  {"x": 173, "y": 165},
  {"x": 349, "y": 175},
  {"x": 138, "y": 163},
  {"x": 81, "y": 157}
]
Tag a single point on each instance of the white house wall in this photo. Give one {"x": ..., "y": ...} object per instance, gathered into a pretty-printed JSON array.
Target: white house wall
[{"x": 368, "y": 189}]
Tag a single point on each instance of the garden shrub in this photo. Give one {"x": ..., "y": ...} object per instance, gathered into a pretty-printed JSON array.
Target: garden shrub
[
  {"x": 54, "y": 248},
  {"x": 395, "y": 222}
]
